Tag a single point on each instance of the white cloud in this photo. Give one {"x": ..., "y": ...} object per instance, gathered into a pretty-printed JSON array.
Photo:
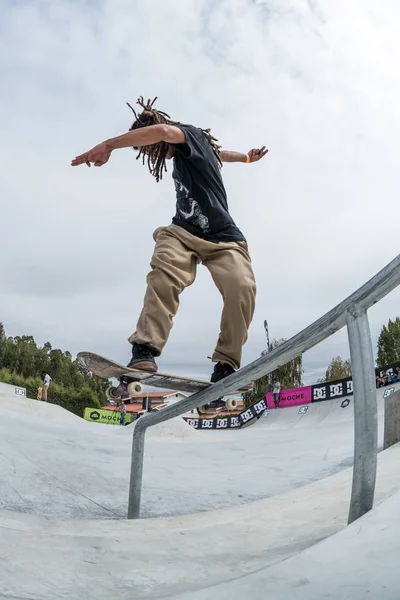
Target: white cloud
[{"x": 315, "y": 81}]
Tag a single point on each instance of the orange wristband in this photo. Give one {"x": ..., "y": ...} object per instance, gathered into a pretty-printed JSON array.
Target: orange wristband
[{"x": 247, "y": 158}]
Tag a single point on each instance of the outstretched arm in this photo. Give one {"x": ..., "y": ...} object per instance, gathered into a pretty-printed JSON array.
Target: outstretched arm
[
  {"x": 145, "y": 136},
  {"x": 252, "y": 156}
]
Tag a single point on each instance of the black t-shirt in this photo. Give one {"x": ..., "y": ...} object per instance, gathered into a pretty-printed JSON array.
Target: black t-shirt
[{"x": 201, "y": 203}]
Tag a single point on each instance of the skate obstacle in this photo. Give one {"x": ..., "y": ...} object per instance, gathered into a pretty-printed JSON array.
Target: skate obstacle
[
  {"x": 350, "y": 313},
  {"x": 6, "y": 389}
]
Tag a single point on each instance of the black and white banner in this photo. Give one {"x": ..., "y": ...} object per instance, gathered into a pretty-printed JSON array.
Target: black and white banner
[
  {"x": 332, "y": 390},
  {"x": 229, "y": 421}
]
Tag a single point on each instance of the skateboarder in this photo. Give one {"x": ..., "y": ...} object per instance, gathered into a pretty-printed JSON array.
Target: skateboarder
[
  {"x": 202, "y": 231},
  {"x": 122, "y": 409},
  {"x": 276, "y": 392}
]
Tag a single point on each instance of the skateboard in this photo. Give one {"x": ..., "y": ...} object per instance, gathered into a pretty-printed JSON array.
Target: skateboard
[{"x": 131, "y": 379}]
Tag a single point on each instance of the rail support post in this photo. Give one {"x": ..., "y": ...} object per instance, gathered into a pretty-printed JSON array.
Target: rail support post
[
  {"x": 365, "y": 414},
  {"x": 135, "y": 484}
]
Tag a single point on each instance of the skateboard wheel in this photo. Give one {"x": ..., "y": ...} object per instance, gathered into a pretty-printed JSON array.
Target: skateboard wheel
[
  {"x": 112, "y": 393},
  {"x": 231, "y": 404},
  {"x": 135, "y": 388}
]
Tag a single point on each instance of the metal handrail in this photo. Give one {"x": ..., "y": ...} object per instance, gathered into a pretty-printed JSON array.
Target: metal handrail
[{"x": 352, "y": 312}]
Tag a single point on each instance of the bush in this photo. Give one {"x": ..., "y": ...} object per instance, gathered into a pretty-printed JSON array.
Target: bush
[
  {"x": 73, "y": 400},
  {"x": 5, "y": 376}
]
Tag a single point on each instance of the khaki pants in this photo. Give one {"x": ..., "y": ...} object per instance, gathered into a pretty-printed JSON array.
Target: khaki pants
[
  {"x": 44, "y": 392},
  {"x": 174, "y": 264}
]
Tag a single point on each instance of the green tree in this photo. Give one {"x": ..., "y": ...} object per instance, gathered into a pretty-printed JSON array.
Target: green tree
[
  {"x": 338, "y": 368},
  {"x": 23, "y": 363},
  {"x": 389, "y": 343},
  {"x": 289, "y": 376},
  {"x": 3, "y": 341}
]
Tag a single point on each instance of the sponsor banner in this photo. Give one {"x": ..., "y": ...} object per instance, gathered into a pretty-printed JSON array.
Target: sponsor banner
[
  {"x": 292, "y": 397},
  {"x": 319, "y": 392},
  {"x": 226, "y": 422},
  {"x": 255, "y": 411},
  {"x": 332, "y": 390},
  {"x": 110, "y": 417}
]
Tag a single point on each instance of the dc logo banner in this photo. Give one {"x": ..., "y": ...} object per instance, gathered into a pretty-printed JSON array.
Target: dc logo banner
[
  {"x": 257, "y": 410},
  {"x": 336, "y": 390},
  {"x": 332, "y": 390},
  {"x": 319, "y": 393},
  {"x": 206, "y": 424},
  {"x": 246, "y": 416},
  {"x": 193, "y": 423},
  {"x": 253, "y": 412},
  {"x": 260, "y": 407},
  {"x": 213, "y": 422}
]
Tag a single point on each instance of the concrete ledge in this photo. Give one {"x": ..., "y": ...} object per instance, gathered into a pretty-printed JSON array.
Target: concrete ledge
[
  {"x": 7, "y": 389},
  {"x": 392, "y": 420}
]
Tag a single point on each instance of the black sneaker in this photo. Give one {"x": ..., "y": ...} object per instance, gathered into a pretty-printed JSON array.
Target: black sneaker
[
  {"x": 143, "y": 358},
  {"x": 221, "y": 370}
]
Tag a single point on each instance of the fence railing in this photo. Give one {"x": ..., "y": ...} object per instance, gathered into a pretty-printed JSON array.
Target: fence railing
[{"x": 352, "y": 312}]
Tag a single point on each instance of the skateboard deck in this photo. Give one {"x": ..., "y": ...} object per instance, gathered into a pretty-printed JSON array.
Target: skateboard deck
[{"x": 104, "y": 367}]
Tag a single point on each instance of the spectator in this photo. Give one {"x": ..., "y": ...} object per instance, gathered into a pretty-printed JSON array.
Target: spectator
[
  {"x": 122, "y": 410},
  {"x": 276, "y": 391},
  {"x": 45, "y": 387}
]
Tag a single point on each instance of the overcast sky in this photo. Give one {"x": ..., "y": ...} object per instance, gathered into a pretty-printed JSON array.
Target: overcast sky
[{"x": 316, "y": 81}]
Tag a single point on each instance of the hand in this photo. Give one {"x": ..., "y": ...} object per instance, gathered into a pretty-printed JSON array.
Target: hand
[
  {"x": 257, "y": 153},
  {"x": 98, "y": 155}
]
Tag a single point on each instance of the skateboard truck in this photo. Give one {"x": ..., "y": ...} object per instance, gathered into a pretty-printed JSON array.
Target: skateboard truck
[{"x": 128, "y": 386}]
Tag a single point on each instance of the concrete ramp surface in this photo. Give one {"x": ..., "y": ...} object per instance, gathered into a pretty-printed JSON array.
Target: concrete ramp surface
[
  {"x": 357, "y": 563},
  {"x": 253, "y": 513}
]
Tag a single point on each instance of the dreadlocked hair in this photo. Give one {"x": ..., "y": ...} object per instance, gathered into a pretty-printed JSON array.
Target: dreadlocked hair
[{"x": 156, "y": 154}]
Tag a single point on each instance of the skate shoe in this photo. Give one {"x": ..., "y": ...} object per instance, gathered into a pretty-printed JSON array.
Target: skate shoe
[
  {"x": 221, "y": 370},
  {"x": 142, "y": 358}
]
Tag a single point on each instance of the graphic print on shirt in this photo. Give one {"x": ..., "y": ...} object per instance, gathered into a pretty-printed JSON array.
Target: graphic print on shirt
[{"x": 189, "y": 208}]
